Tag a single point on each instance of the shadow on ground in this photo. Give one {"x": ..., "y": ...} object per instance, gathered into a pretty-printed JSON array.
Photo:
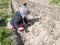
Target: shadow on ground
[
  {"x": 32, "y": 21},
  {"x": 18, "y": 40}
]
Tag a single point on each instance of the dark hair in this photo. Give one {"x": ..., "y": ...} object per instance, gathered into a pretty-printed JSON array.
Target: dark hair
[{"x": 25, "y": 4}]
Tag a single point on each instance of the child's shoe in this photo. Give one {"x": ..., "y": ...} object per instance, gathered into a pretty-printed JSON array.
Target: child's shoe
[{"x": 20, "y": 29}]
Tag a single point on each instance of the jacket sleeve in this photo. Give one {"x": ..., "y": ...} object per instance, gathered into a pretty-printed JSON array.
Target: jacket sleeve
[
  {"x": 17, "y": 19},
  {"x": 16, "y": 23}
]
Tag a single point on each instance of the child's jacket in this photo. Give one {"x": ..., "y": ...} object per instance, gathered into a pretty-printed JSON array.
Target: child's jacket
[{"x": 17, "y": 20}]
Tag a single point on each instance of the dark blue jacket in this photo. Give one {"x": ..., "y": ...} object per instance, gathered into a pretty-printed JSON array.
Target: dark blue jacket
[{"x": 17, "y": 19}]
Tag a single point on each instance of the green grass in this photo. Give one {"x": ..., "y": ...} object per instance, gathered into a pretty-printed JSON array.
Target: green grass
[
  {"x": 4, "y": 9},
  {"x": 56, "y": 2},
  {"x": 4, "y": 4},
  {"x": 5, "y": 38}
]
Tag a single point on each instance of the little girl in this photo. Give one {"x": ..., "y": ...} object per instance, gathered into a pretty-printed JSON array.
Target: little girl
[{"x": 20, "y": 18}]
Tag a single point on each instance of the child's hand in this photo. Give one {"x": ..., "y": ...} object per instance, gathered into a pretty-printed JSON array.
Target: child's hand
[{"x": 29, "y": 24}]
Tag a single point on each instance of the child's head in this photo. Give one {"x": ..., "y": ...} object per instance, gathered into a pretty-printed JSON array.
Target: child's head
[
  {"x": 24, "y": 11},
  {"x": 24, "y": 4}
]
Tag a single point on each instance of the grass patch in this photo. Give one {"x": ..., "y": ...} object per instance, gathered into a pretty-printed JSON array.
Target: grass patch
[
  {"x": 4, "y": 9},
  {"x": 5, "y": 37},
  {"x": 55, "y": 2},
  {"x": 4, "y": 4}
]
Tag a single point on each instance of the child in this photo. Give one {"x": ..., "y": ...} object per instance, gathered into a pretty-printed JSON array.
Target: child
[{"x": 19, "y": 19}]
